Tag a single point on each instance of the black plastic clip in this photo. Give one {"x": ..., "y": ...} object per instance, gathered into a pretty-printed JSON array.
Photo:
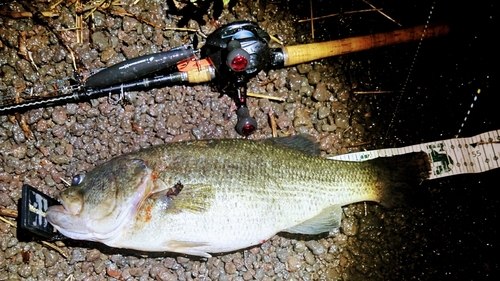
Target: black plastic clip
[{"x": 33, "y": 207}]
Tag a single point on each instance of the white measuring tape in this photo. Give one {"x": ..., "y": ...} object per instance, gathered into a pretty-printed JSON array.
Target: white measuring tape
[{"x": 449, "y": 157}]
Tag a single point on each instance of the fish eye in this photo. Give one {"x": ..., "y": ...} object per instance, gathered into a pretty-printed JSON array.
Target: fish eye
[{"x": 77, "y": 179}]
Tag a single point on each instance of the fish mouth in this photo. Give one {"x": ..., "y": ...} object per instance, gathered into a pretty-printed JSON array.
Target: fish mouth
[
  {"x": 53, "y": 212},
  {"x": 60, "y": 218}
]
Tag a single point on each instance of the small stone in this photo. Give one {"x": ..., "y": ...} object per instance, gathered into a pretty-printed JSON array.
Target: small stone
[
  {"x": 342, "y": 121},
  {"x": 214, "y": 274},
  {"x": 314, "y": 77},
  {"x": 315, "y": 247},
  {"x": 282, "y": 254},
  {"x": 248, "y": 275},
  {"x": 174, "y": 121},
  {"x": 293, "y": 264},
  {"x": 155, "y": 270},
  {"x": 302, "y": 118},
  {"x": 60, "y": 159},
  {"x": 343, "y": 95},
  {"x": 323, "y": 112},
  {"x": 12, "y": 251},
  {"x": 77, "y": 255},
  {"x": 299, "y": 247},
  {"x": 166, "y": 275},
  {"x": 107, "y": 54},
  {"x": 100, "y": 40},
  {"x": 304, "y": 68},
  {"x": 50, "y": 257},
  {"x": 169, "y": 263},
  {"x": 328, "y": 128},
  {"x": 350, "y": 226},
  {"x": 5, "y": 199},
  {"x": 332, "y": 274},
  {"x": 230, "y": 268},
  {"x": 24, "y": 270},
  {"x": 182, "y": 260},
  {"x": 296, "y": 81},
  {"x": 306, "y": 90},
  {"x": 136, "y": 272},
  {"x": 59, "y": 115},
  {"x": 321, "y": 93},
  {"x": 99, "y": 266},
  {"x": 309, "y": 258},
  {"x": 93, "y": 255}
]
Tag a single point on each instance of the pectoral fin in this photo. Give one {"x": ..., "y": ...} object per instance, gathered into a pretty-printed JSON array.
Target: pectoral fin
[
  {"x": 189, "y": 248},
  {"x": 329, "y": 219},
  {"x": 193, "y": 197},
  {"x": 159, "y": 186}
]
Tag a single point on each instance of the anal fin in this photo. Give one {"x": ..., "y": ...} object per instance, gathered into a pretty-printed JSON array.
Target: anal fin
[{"x": 329, "y": 219}]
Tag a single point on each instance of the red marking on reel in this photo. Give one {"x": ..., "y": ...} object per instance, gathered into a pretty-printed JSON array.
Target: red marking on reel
[{"x": 239, "y": 63}]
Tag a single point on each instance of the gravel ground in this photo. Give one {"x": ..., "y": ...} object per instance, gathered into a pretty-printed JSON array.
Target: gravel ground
[{"x": 373, "y": 243}]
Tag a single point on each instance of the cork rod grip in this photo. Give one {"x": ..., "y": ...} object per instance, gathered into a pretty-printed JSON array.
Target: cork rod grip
[{"x": 314, "y": 51}]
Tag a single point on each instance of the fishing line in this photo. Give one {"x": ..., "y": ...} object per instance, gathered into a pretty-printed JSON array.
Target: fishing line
[
  {"x": 468, "y": 113},
  {"x": 410, "y": 70}
]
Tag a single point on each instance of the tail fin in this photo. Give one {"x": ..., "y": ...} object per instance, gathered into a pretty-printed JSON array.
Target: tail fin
[{"x": 400, "y": 176}]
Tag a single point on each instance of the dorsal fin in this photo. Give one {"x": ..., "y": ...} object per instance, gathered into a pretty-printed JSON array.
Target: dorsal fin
[{"x": 303, "y": 143}]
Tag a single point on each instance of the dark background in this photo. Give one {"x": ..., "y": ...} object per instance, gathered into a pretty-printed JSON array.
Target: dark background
[{"x": 429, "y": 103}]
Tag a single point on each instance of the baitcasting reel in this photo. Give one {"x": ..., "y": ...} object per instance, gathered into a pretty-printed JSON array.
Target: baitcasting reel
[{"x": 238, "y": 51}]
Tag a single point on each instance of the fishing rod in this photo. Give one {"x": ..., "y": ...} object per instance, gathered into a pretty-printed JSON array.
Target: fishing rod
[{"x": 232, "y": 55}]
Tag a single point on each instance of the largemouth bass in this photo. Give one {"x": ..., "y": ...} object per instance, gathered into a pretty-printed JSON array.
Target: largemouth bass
[{"x": 214, "y": 196}]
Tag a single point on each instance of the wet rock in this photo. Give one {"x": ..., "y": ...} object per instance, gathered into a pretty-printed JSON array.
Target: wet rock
[
  {"x": 174, "y": 121},
  {"x": 24, "y": 270},
  {"x": 93, "y": 255},
  {"x": 165, "y": 275},
  {"x": 100, "y": 40},
  {"x": 282, "y": 254},
  {"x": 77, "y": 255},
  {"x": 293, "y": 264},
  {"x": 98, "y": 19},
  {"x": 315, "y": 247},
  {"x": 107, "y": 54},
  {"x": 314, "y": 77},
  {"x": 5, "y": 200},
  {"x": 350, "y": 226},
  {"x": 295, "y": 81},
  {"x": 343, "y": 95},
  {"x": 341, "y": 121},
  {"x": 323, "y": 112},
  {"x": 18, "y": 151},
  {"x": 51, "y": 257},
  {"x": 333, "y": 275},
  {"x": 12, "y": 250},
  {"x": 302, "y": 118},
  {"x": 321, "y": 93},
  {"x": 230, "y": 267},
  {"x": 304, "y": 68},
  {"x": 306, "y": 90},
  {"x": 130, "y": 24}
]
